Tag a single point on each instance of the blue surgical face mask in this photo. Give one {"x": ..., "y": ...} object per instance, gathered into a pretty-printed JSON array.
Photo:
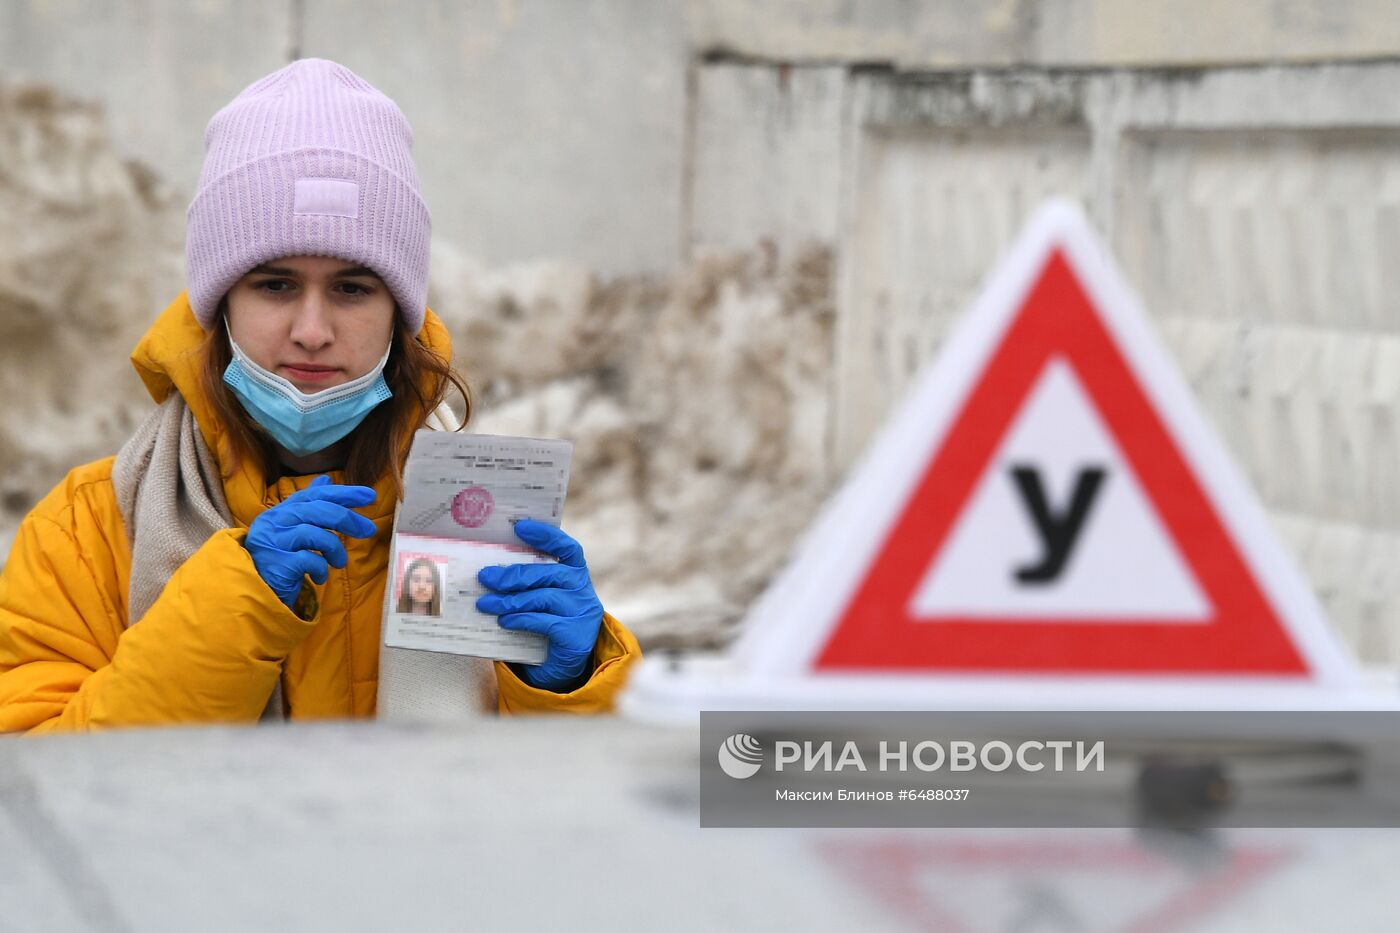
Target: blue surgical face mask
[{"x": 302, "y": 423}]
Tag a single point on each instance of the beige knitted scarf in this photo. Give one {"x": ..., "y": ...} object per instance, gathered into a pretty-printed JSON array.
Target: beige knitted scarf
[{"x": 171, "y": 497}]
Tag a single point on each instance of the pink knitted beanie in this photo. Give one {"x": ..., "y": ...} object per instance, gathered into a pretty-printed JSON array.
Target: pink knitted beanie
[{"x": 308, "y": 161}]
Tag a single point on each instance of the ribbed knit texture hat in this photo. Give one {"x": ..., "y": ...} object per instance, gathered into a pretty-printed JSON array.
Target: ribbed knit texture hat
[{"x": 309, "y": 161}]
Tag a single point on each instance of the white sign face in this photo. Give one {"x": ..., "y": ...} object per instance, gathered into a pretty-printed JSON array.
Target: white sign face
[
  {"x": 1047, "y": 507},
  {"x": 1059, "y": 529}
]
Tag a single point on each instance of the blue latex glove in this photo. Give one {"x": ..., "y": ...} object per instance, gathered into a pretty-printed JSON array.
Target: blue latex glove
[
  {"x": 285, "y": 539},
  {"x": 554, "y": 600}
]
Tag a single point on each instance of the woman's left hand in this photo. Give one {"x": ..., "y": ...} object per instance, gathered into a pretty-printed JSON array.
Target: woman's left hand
[{"x": 554, "y": 600}]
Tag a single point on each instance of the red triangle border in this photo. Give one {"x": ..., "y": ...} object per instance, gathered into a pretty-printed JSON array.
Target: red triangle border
[{"x": 875, "y": 633}]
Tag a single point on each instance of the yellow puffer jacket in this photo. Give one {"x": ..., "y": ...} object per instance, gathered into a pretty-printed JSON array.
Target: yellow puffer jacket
[{"x": 211, "y": 647}]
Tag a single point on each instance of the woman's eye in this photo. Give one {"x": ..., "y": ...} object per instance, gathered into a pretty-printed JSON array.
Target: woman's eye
[{"x": 283, "y": 286}]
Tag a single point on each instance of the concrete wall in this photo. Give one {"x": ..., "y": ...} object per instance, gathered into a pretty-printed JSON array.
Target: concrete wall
[
  {"x": 955, "y": 34},
  {"x": 562, "y": 128},
  {"x": 158, "y": 68},
  {"x": 542, "y": 129},
  {"x": 1257, "y": 211}
]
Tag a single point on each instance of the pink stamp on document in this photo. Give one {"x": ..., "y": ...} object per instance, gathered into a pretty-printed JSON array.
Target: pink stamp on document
[{"x": 472, "y": 507}]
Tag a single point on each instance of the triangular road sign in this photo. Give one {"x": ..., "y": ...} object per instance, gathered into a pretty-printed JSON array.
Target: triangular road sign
[
  {"x": 1047, "y": 518},
  {"x": 1058, "y": 367}
]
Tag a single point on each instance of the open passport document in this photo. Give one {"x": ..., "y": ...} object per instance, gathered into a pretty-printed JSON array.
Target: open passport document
[{"x": 463, "y": 493}]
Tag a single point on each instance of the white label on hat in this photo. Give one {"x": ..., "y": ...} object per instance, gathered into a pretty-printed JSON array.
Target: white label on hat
[{"x": 334, "y": 196}]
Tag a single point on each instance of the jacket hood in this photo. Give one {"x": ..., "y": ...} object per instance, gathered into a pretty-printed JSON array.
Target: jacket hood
[{"x": 168, "y": 357}]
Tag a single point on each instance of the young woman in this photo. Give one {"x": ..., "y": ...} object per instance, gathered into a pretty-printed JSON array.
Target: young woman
[
  {"x": 229, "y": 563},
  {"x": 420, "y": 591}
]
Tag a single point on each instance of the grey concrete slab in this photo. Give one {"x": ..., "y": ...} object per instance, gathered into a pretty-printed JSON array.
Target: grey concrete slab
[
  {"x": 766, "y": 156},
  {"x": 589, "y": 825},
  {"x": 160, "y": 68},
  {"x": 31, "y": 885},
  {"x": 951, "y": 34},
  {"x": 1253, "y": 210},
  {"x": 580, "y": 824},
  {"x": 541, "y": 129}
]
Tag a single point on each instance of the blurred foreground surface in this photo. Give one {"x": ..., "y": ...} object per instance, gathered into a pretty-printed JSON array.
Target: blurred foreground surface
[{"x": 582, "y": 824}]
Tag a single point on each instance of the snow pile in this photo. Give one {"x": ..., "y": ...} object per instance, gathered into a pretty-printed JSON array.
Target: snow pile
[
  {"x": 698, "y": 410},
  {"x": 90, "y": 251}
]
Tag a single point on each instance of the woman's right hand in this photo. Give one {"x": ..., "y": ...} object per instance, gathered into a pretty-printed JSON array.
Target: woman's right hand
[{"x": 285, "y": 540}]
